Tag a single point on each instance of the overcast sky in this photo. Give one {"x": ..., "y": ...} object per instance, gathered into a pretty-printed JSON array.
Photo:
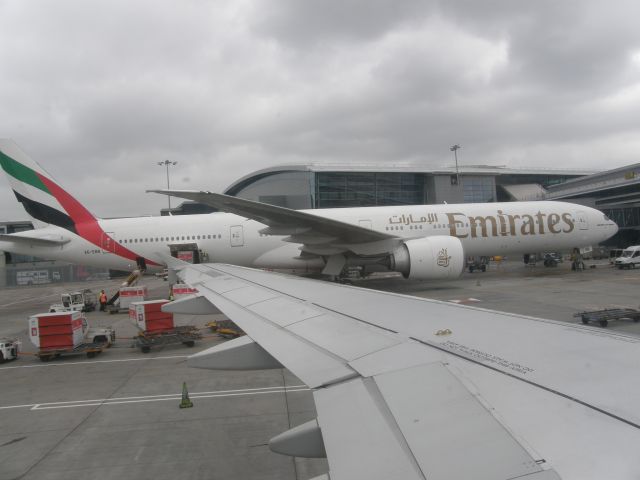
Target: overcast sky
[{"x": 98, "y": 92}]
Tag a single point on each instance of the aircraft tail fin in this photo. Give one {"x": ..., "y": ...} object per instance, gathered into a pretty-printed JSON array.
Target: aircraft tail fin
[{"x": 41, "y": 196}]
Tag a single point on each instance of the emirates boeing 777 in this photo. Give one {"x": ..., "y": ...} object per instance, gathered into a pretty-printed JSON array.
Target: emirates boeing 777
[{"x": 420, "y": 241}]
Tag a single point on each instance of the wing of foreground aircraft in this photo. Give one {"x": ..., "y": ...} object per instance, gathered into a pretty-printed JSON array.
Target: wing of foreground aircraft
[{"x": 413, "y": 388}]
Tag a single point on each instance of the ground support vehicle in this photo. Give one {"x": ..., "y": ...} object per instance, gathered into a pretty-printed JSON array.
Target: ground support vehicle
[
  {"x": 90, "y": 349},
  {"x": 55, "y": 334},
  {"x": 630, "y": 258},
  {"x": 225, "y": 328},
  {"x": 186, "y": 335},
  {"x": 84, "y": 301},
  {"x": 8, "y": 349},
  {"x": 603, "y": 317},
  {"x": 552, "y": 259},
  {"x": 477, "y": 263}
]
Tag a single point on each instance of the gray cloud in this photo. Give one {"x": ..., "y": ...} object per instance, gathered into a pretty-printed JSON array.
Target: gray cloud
[{"x": 99, "y": 92}]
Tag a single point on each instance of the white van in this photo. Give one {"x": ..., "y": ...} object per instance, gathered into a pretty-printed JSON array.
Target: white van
[{"x": 630, "y": 257}]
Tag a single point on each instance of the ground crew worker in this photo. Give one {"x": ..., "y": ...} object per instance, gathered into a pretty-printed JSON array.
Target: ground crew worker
[{"x": 103, "y": 301}]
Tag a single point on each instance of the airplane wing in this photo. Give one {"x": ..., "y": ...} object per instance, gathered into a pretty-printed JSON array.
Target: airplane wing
[
  {"x": 319, "y": 235},
  {"x": 31, "y": 237},
  {"x": 413, "y": 388}
]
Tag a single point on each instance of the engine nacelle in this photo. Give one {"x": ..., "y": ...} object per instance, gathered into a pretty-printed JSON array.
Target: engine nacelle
[{"x": 437, "y": 257}]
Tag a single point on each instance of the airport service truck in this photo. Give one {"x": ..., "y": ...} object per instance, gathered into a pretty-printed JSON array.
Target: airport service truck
[
  {"x": 84, "y": 301},
  {"x": 67, "y": 333},
  {"x": 8, "y": 349},
  {"x": 630, "y": 257}
]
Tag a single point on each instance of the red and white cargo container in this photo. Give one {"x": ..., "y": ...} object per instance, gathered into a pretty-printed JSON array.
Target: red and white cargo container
[
  {"x": 182, "y": 290},
  {"x": 55, "y": 331},
  {"x": 149, "y": 317},
  {"x": 129, "y": 295}
]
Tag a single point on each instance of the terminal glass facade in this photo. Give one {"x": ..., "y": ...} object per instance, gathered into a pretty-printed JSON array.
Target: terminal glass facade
[
  {"x": 479, "y": 189},
  {"x": 351, "y": 189}
]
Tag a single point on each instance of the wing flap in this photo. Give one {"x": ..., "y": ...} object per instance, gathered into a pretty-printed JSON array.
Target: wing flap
[
  {"x": 429, "y": 398},
  {"x": 417, "y": 423},
  {"x": 355, "y": 425}
]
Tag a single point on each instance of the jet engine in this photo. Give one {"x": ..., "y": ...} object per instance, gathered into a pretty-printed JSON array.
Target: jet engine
[{"x": 429, "y": 258}]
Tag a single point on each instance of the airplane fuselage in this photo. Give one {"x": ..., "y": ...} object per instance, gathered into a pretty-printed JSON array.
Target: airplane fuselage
[{"x": 483, "y": 229}]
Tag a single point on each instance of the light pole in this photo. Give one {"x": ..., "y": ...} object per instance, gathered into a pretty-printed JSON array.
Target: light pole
[
  {"x": 166, "y": 163},
  {"x": 454, "y": 149}
]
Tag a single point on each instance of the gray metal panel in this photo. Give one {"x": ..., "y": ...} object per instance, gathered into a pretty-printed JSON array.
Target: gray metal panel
[
  {"x": 250, "y": 294},
  {"x": 284, "y": 311},
  {"x": 449, "y": 432},
  {"x": 312, "y": 365},
  {"x": 225, "y": 284},
  {"x": 397, "y": 357},
  {"x": 190, "y": 306},
  {"x": 343, "y": 336},
  {"x": 361, "y": 442}
]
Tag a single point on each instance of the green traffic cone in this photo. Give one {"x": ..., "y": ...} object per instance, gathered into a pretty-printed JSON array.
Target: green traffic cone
[{"x": 185, "y": 403}]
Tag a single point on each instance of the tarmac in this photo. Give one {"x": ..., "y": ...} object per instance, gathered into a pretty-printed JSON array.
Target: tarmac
[{"x": 117, "y": 416}]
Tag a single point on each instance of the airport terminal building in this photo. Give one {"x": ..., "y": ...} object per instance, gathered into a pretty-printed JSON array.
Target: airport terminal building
[
  {"x": 616, "y": 192},
  {"x": 348, "y": 185}
]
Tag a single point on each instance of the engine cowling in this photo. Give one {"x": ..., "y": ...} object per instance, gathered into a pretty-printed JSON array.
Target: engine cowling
[{"x": 429, "y": 258}]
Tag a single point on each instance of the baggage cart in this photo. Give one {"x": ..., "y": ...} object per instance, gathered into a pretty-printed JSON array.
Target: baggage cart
[
  {"x": 603, "y": 317},
  {"x": 146, "y": 340}
]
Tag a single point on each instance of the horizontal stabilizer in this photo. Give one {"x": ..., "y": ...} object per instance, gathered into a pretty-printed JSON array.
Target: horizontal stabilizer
[
  {"x": 26, "y": 239},
  {"x": 238, "y": 354}
]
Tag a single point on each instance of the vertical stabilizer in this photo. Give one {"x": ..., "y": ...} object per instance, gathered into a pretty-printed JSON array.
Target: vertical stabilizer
[{"x": 39, "y": 193}]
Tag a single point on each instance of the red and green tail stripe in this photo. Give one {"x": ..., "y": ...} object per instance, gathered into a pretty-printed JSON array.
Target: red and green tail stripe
[{"x": 75, "y": 217}]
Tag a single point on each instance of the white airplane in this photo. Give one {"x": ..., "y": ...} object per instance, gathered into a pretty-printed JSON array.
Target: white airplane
[
  {"x": 410, "y": 388},
  {"x": 420, "y": 241}
]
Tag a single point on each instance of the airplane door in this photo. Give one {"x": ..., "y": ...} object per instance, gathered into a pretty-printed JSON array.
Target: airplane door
[
  {"x": 236, "y": 234},
  {"x": 108, "y": 242},
  {"x": 581, "y": 220},
  {"x": 366, "y": 224}
]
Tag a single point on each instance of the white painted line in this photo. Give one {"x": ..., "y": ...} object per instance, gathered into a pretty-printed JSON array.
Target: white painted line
[
  {"x": 94, "y": 361},
  {"x": 159, "y": 398},
  {"x": 29, "y": 300}
]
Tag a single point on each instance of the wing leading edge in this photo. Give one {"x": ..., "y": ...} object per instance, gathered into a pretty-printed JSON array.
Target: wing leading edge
[{"x": 414, "y": 388}]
